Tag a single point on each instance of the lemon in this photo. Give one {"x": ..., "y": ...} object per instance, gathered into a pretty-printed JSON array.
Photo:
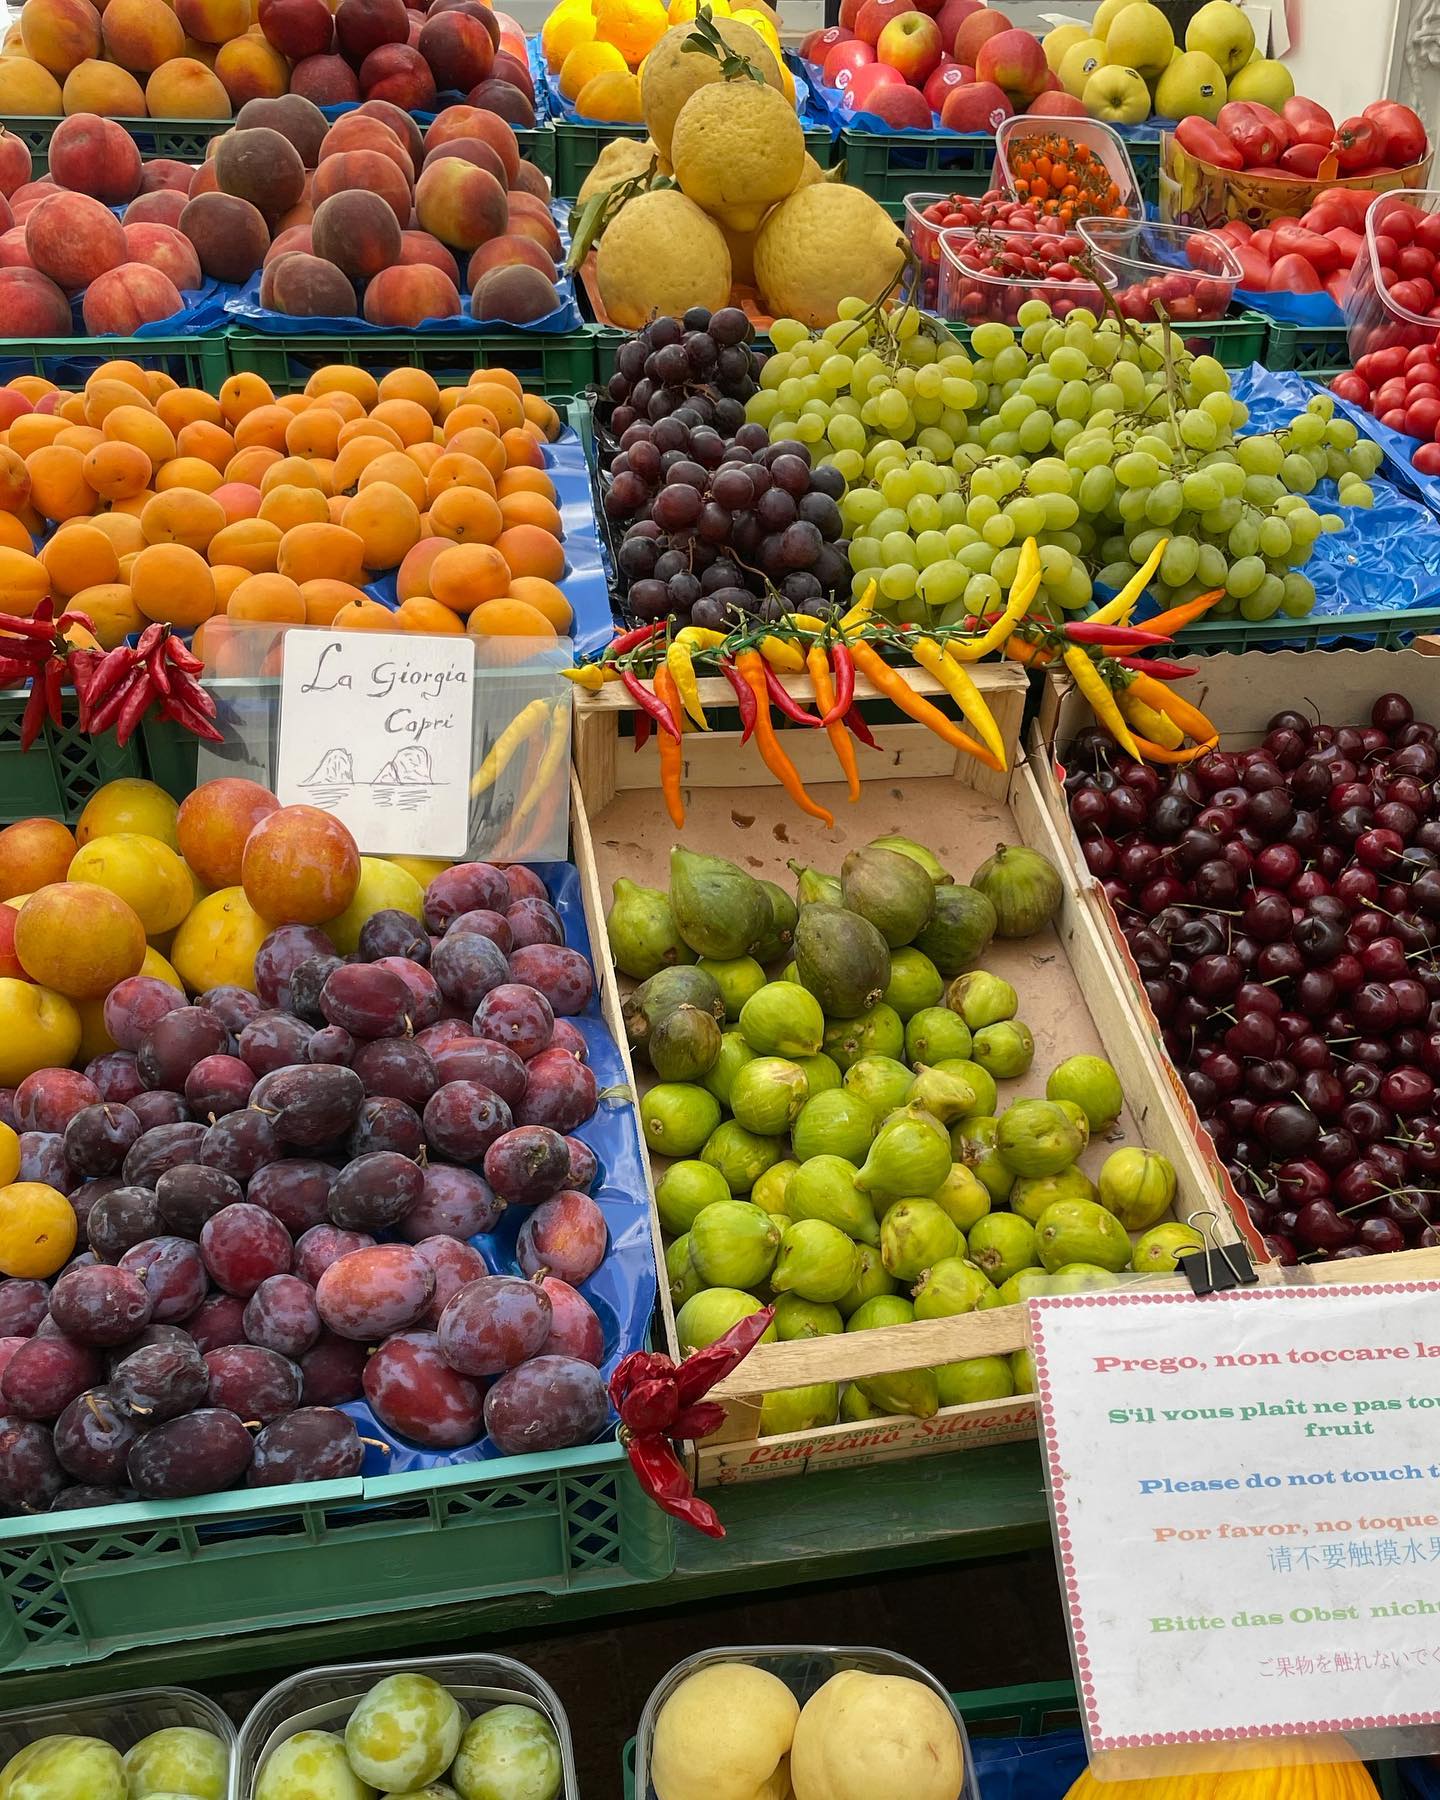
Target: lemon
[
  {"x": 672, "y": 73},
  {"x": 661, "y": 254},
  {"x": 737, "y": 148},
  {"x": 824, "y": 242}
]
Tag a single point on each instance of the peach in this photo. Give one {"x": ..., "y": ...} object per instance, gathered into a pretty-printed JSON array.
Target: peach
[
  {"x": 420, "y": 247},
  {"x": 79, "y": 939},
  {"x": 141, "y": 34},
  {"x": 508, "y": 67},
  {"x": 27, "y": 90},
  {"x": 184, "y": 88},
  {"x": 519, "y": 295},
  {"x": 213, "y": 21},
  {"x": 472, "y": 150},
  {"x": 461, "y": 205},
  {"x": 299, "y": 866},
  {"x": 163, "y": 207},
  {"x": 164, "y": 248},
  {"x": 72, "y": 239},
  {"x": 259, "y": 165},
  {"x": 101, "y": 87},
  {"x": 229, "y": 234},
  {"x": 367, "y": 170},
  {"x": 505, "y": 102},
  {"x": 397, "y": 72},
  {"x": 203, "y": 180},
  {"x": 363, "y": 25},
  {"x": 214, "y": 822},
  {"x": 251, "y": 68},
  {"x": 324, "y": 80},
  {"x": 13, "y": 254},
  {"x": 58, "y": 34},
  {"x": 505, "y": 252},
  {"x": 473, "y": 121},
  {"x": 530, "y": 180},
  {"x": 94, "y": 156},
  {"x": 357, "y": 232},
  {"x": 16, "y": 163},
  {"x": 33, "y": 854},
  {"x": 404, "y": 297},
  {"x": 298, "y": 28},
  {"x": 294, "y": 117},
  {"x": 540, "y": 230},
  {"x": 400, "y": 123},
  {"x": 164, "y": 175},
  {"x": 307, "y": 287},
  {"x": 293, "y": 238},
  {"x": 458, "y": 49},
  {"x": 363, "y": 131},
  {"x": 119, "y": 302}
]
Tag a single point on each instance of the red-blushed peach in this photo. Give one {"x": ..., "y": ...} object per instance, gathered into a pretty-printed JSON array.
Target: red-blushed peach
[
  {"x": 294, "y": 117},
  {"x": 519, "y": 295},
  {"x": 400, "y": 123},
  {"x": 165, "y": 248},
  {"x": 119, "y": 302},
  {"x": 357, "y": 232},
  {"x": 363, "y": 131},
  {"x": 459, "y": 50},
  {"x": 509, "y": 68},
  {"x": 399, "y": 73},
  {"x": 405, "y": 296},
  {"x": 251, "y": 68},
  {"x": 293, "y": 238},
  {"x": 163, "y": 207},
  {"x": 298, "y": 28},
  {"x": 13, "y": 254},
  {"x": 16, "y": 163},
  {"x": 505, "y": 252},
  {"x": 73, "y": 239},
  {"x": 257, "y": 164},
  {"x": 165, "y": 174},
  {"x": 505, "y": 102},
  {"x": 472, "y": 150},
  {"x": 324, "y": 80},
  {"x": 363, "y": 25},
  {"x": 420, "y": 247},
  {"x": 184, "y": 88},
  {"x": 473, "y": 122},
  {"x": 32, "y": 305},
  {"x": 307, "y": 287},
  {"x": 94, "y": 156},
  {"x": 367, "y": 170},
  {"x": 460, "y": 204},
  {"x": 229, "y": 234},
  {"x": 105, "y": 88},
  {"x": 530, "y": 180},
  {"x": 203, "y": 180},
  {"x": 213, "y": 22}
]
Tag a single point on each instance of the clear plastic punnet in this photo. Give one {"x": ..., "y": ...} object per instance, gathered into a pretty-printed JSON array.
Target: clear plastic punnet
[
  {"x": 1175, "y": 272},
  {"x": 924, "y": 239},
  {"x": 1017, "y": 135},
  {"x": 989, "y": 274},
  {"x": 1380, "y": 311}
]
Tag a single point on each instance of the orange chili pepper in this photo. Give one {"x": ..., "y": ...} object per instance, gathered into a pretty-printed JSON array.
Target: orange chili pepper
[
  {"x": 671, "y": 753},
  {"x": 818, "y": 664},
  {"x": 752, "y": 670},
  {"x": 1157, "y": 752},
  {"x": 1164, "y": 699}
]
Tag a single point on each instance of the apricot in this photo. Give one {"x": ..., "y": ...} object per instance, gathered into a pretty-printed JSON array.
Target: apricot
[
  {"x": 258, "y": 164},
  {"x": 172, "y": 583},
  {"x": 182, "y": 516},
  {"x": 530, "y": 550},
  {"x": 324, "y": 598},
  {"x": 240, "y": 499},
  {"x": 546, "y": 598},
  {"x": 311, "y": 551},
  {"x": 14, "y": 482},
  {"x": 324, "y": 81},
  {"x": 508, "y": 618},
  {"x": 368, "y": 170},
  {"x": 465, "y": 575},
  {"x": 58, "y": 488},
  {"x": 364, "y": 615},
  {"x": 292, "y": 115},
  {"x": 404, "y": 297},
  {"x": 79, "y": 556},
  {"x": 313, "y": 432},
  {"x": 120, "y": 301},
  {"x": 346, "y": 379},
  {"x": 428, "y": 617},
  {"x": 299, "y": 865},
  {"x": 213, "y": 22},
  {"x": 79, "y": 939},
  {"x": 27, "y": 90},
  {"x": 287, "y": 506},
  {"x": 252, "y": 544},
  {"x": 112, "y": 609},
  {"x": 100, "y": 87},
  {"x": 34, "y": 853},
  {"x": 203, "y": 442},
  {"x": 141, "y": 34},
  {"x": 386, "y": 520},
  {"x": 58, "y": 34},
  {"x": 184, "y": 88},
  {"x": 272, "y": 599},
  {"x": 250, "y": 68},
  {"x": 466, "y": 515}
]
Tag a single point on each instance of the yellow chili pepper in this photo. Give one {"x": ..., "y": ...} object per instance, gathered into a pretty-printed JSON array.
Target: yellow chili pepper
[
  {"x": 696, "y": 637},
  {"x": 1116, "y": 611},
  {"x": 785, "y": 658},
  {"x": 591, "y": 676},
  {"x": 1164, "y": 699},
  {"x": 859, "y": 612},
  {"x": 1146, "y": 722},
  {"x": 1023, "y": 590},
  {"x": 554, "y": 754},
  {"x": 1091, "y": 684},
  {"x": 895, "y": 687},
  {"x": 682, "y": 670},
  {"x": 807, "y": 622},
  {"x": 959, "y": 684},
  {"x": 520, "y": 730}
]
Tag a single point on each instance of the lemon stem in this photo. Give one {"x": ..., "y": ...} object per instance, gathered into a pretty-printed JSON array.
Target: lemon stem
[{"x": 705, "y": 40}]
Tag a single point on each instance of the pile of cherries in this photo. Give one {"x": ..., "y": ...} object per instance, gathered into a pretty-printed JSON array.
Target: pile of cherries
[{"x": 1282, "y": 905}]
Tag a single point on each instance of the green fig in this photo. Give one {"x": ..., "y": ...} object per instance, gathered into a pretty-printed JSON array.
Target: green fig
[
  {"x": 912, "y": 1391},
  {"x": 981, "y": 998},
  {"x": 944, "y": 1096},
  {"x": 741, "y": 1156},
  {"x": 1092, "y": 1085},
  {"x": 977, "y": 1378},
  {"x": 1031, "y": 1194},
  {"x": 881, "y": 1082},
  {"x": 915, "y": 983},
  {"x": 685, "y": 1190},
  {"x": 972, "y": 1142},
  {"x": 875, "y": 1032},
  {"x": 678, "y": 1117},
  {"x": 643, "y": 935},
  {"x": 892, "y": 891},
  {"x": 935, "y": 1033},
  {"x": 737, "y": 980},
  {"x": 1023, "y": 886},
  {"x": 927, "y": 859},
  {"x": 734, "y": 1244},
  {"x": 790, "y": 973},
  {"x": 767, "y": 1095},
  {"x": 783, "y": 913},
  {"x": 1006, "y": 1050},
  {"x": 799, "y": 1409},
  {"x": 949, "y": 1287},
  {"x": 909, "y": 1157},
  {"x": 731, "y": 1057},
  {"x": 1159, "y": 1249},
  {"x": 913, "y": 1235},
  {"x": 770, "y": 1190},
  {"x": 680, "y": 1273},
  {"x": 821, "y": 1072},
  {"x": 682, "y": 985},
  {"x": 1034, "y": 1137},
  {"x": 721, "y": 910},
  {"x": 1022, "y": 1371},
  {"x": 1080, "y": 1117},
  {"x": 1081, "y": 1231},
  {"x": 824, "y": 1188},
  {"x": 1083, "y": 1278},
  {"x": 963, "y": 1197},
  {"x": 855, "y": 1409},
  {"x": 1020, "y": 1286},
  {"x": 1138, "y": 1186},
  {"x": 796, "y": 1319},
  {"x": 782, "y": 1019},
  {"x": 1001, "y": 1244},
  {"x": 684, "y": 1044},
  {"x": 709, "y": 1315},
  {"x": 960, "y": 932},
  {"x": 871, "y": 1281},
  {"x": 980, "y": 1080},
  {"x": 842, "y": 959},
  {"x": 883, "y": 1310},
  {"x": 833, "y": 1123},
  {"x": 813, "y": 887},
  {"x": 816, "y": 1261}
]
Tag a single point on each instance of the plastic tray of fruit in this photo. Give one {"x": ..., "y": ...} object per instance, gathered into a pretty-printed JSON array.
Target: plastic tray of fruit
[
  {"x": 989, "y": 275},
  {"x": 146, "y": 1741},
  {"x": 485, "y": 1724},
  {"x": 827, "y": 1709},
  {"x": 928, "y": 214},
  {"x": 1052, "y": 162},
  {"x": 1174, "y": 272},
  {"x": 1394, "y": 296}
]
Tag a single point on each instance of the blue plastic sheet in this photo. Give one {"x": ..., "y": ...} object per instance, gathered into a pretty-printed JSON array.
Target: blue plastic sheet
[
  {"x": 204, "y": 310},
  {"x": 1032, "y": 1768},
  {"x": 622, "y": 1290},
  {"x": 1292, "y": 309},
  {"x": 1398, "y": 448}
]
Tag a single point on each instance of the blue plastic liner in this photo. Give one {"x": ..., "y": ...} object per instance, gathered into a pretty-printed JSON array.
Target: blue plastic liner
[
  {"x": 622, "y": 1290},
  {"x": 1033, "y": 1768},
  {"x": 1420, "y": 1776},
  {"x": 204, "y": 310},
  {"x": 1292, "y": 309}
]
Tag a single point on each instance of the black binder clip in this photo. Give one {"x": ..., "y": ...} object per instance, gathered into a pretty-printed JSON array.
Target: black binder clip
[{"x": 1218, "y": 1267}]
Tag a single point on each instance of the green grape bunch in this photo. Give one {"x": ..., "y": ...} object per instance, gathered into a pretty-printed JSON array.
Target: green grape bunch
[{"x": 1099, "y": 438}]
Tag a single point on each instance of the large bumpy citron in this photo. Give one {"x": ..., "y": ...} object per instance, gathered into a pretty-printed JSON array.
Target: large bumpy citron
[
  {"x": 661, "y": 254},
  {"x": 672, "y": 73},
  {"x": 620, "y": 160},
  {"x": 824, "y": 242},
  {"x": 737, "y": 148}
]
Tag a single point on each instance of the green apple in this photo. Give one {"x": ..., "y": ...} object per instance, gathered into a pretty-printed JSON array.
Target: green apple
[
  {"x": 1060, "y": 39},
  {"x": 1107, "y": 11},
  {"x": 1119, "y": 96},
  {"x": 1269, "y": 82},
  {"x": 1223, "y": 32},
  {"x": 1140, "y": 39},
  {"x": 1192, "y": 85},
  {"x": 1079, "y": 63}
]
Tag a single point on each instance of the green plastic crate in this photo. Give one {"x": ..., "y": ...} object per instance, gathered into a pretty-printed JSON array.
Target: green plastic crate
[
  {"x": 578, "y": 147},
  {"x": 61, "y": 770},
  {"x": 555, "y": 365},
  {"x": 1310, "y": 349},
  {"x": 184, "y": 139},
  {"x": 1379, "y": 630},
  {"x": 83, "y": 1585},
  {"x": 1235, "y": 342},
  {"x": 200, "y": 362},
  {"x": 890, "y": 165},
  {"x": 537, "y": 145}
]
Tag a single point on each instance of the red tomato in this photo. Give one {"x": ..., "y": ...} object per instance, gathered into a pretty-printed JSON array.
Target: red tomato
[
  {"x": 1384, "y": 363},
  {"x": 1415, "y": 259},
  {"x": 1424, "y": 390},
  {"x": 1262, "y": 240},
  {"x": 1350, "y": 201},
  {"x": 1325, "y": 218},
  {"x": 1427, "y": 459},
  {"x": 1208, "y": 143},
  {"x": 1357, "y": 144},
  {"x": 1294, "y": 274},
  {"x": 1387, "y": 249},
  {"x": 1336, "y": 284},
  {"x": 1415, "y": 296},
  {"x": 1394, "y": 420},
  {"x": 1351, "y": 243},
  {"x": 1427, "y": 232},
  {"x": 1304, "y": 159},
  {"x": 1402, "y": 135},
  {"x": 1254, "y": 267},
  {"x": 1254, "y": 135},
  {"x": 1422, "y": 353},
  {"x": 1292, "y": 239},
  {"x": 1394, "y": 392},
  {"x": 1421, "y": 418},
  {"x": 1353, "y": 387},
  {"x": 1308, "y": 120}
]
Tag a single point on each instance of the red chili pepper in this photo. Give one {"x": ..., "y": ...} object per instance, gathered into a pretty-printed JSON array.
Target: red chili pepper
[
  {"x": 137, "y": 704},
  {"x": 149, "y": 638},
  {"x": 158, "y": 666},
  {"x": 26, "y": 649},
  {"x": 34, "y": 715},
  {"x": 182, "y": 656},
  {"x": 108, "y": 710},
  {"x": 649, "y": 702},
  {"x": 14, "y": 669},
  {"x": 843, "y": 663},
  {"x": 788, "y": 705},
  {"x": 40, "y": 627},
  {"x": 82, "y": 667},
  {"x": 190, "y": 693},
  {"x": 631, "y": 640},
  {"x": 54, "y": 690},
  {"x": 643, "y": 729},
  {"x": 858, "y": 728},
  {"x": 1131, "y": 635},
  {"x": 113, "y": 668},
  {"x": 173, "y": 707},
  {"x": 744, "y": 698},
  {"x": 1162, "y": 671}
]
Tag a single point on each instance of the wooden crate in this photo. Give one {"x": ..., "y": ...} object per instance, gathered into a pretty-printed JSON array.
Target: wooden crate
[{"x": 1070, "y": 997}]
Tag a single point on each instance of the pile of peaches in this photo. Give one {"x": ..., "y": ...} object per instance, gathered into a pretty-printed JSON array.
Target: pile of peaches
[
  {"x": 215, "y": 514},
  {"x": 361, "y": 213},
  {"x": 203, "y": 59}
]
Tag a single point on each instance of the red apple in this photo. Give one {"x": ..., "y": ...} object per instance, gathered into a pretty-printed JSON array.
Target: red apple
[
  {"x": 973, "y": 32},
  {"x": 900, "y": 107},
  {"x": 1057, "y": 105},
  {"x": 844, "y": 61},
  {"x": 850, "y": 12},
  {"x": 943, "y": 77},
  {"x": 911, "y": 44},
  {"x": 875, "y": 15},
  {"x": 977, "y": 107},
  {"x": 815, "y": 45},
  {"x": 952, "y": 15},
  {"x": 9, "y": 962},
  {"x": 927, "y": 6},
  {"x": 868, "y": 83},
  {"x": 1013, "y": 60}
]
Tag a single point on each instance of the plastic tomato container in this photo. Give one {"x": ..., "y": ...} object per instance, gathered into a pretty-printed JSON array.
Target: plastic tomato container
[
  {"x": 1374, "y": 317},
  {"x": 1177, "y": 272},
  {"x": 973, "y": 295},
  {"x": 1018, "y": 138},
  {"x": 804, "y": 1669},
  {"x": 924, "y": 233}
]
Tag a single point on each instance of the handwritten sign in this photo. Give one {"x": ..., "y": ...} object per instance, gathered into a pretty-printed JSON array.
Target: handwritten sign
[
  {"x": 375, "y": 727},
  {"x": 1246, "y": 1493}
]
